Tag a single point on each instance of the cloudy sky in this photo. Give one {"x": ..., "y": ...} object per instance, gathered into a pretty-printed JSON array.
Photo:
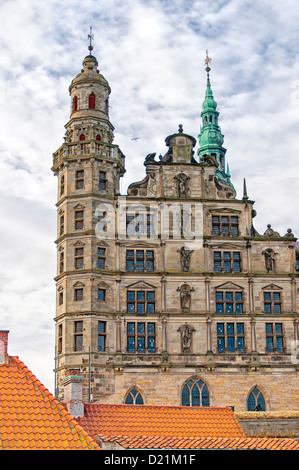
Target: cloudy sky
[{"x": 152, "y": 53}]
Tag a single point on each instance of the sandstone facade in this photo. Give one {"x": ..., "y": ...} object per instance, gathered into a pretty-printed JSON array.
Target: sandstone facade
[{"x": 168, "y": 294}]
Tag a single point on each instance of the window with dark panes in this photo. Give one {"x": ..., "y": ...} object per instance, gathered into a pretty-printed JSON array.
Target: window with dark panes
[
  {"x": 101, "y": 336},
  {"x": 78, "y": 336},
  {"x": 61, "y": 262},
  {"x": 225, "y": 225},
  {"x": 272, "y": 302},
  {"x": 134, "y": 397},
  {"x": 139, "y": 224},
  {"x": 78, "y": 294},
  {"x": 79, "y": 217},
  {"x": 102, "y": 294},
  {"x": 227, "y": 262},
  {"x": 141, "y": 302},
  {"x": 229, "y": 302},
  {"x": 79, "y": 179},
  {"x": 102, "y": 180},
  {"x": 101, "y": 221},
  {"x": 60, "y": 298},
  {"x": 61, "y": 225},
  {"x": 101, "y": 258},
  {"x": 140, "y": 260},
  {"x": 195, "y": 393},
  {"x": 230, "y": 337},
  {"x": 79, "y": 258},
  {"x": 59, "y": 339},
  {"x": 62, "y": 185},
  {"x": 274, "y": 337},
  {"x": 141, "y": 337},
  {"x": 256, "y": 401}
]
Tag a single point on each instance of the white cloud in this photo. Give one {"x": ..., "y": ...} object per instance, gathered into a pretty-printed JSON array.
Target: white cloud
[{"x": 152, "y": 54}]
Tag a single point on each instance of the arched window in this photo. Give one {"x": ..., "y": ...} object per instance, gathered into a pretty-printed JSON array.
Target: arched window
[
  {"x": 98, "y": 137},
  {"x": 195, "y": 393},
  {"x": 82, "y": 137},
  {"x": 92, "y": 101},
  {"x": 75, "y": 103},
  {"x": 256, "y": 401},
  {"x": 134, "y": 397}
]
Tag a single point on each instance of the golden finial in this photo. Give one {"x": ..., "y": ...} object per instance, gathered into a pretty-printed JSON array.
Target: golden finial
[{"x": 207, "y": 61}]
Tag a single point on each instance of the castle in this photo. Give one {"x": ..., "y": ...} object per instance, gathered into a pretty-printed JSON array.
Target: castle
[{"x": 168, "y": 295}]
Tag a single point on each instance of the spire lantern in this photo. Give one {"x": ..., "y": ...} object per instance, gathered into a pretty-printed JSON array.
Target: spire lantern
[{"x": 210, "y": 137}]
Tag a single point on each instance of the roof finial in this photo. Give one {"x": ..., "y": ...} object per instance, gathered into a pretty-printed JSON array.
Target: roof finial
[
  {"x": 207, "y": 61},
  {"x": 90, "y": 37}
]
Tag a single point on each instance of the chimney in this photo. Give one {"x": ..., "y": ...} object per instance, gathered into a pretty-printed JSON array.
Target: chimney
[
  {"x": 73, "y": 394},
  {"x": 3, "y": 346}
]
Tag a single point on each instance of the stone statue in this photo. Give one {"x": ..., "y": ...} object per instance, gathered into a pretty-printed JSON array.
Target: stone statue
[
  {"x": 185, "y": 255},
  {"x": 269, "y": 259},
  {"x": 186, "y": 336},
  {"x": 182, "y": 185},
  {"x": 185, "y": 297}
]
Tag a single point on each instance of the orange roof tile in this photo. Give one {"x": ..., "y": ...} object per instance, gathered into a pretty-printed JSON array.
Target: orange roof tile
[
  {"x": 31, "y": 418},
  {"x": 159, "y": 421},
  {"x": 233, "y": 443}
]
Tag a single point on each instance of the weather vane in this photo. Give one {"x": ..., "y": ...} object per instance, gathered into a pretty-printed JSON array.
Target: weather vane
[
  {"x": 90, "y": 37},
  {"x": 207, "y": 62}
]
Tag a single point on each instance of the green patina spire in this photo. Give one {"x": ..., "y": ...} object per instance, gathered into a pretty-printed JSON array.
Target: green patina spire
[{"x": 210, "y": 137}]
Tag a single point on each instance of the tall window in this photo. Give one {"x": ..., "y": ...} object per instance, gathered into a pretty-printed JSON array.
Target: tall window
[
  {"x": 141, "y": 302},
  {"x": 272, "y": 302},
  {"x": 78, "y": 336},
  {"x": 79, "y": 179},
  {"x": 139, "y": 224},
  {"x": 195, "y": 393},
  {"x": 101, "y": 336},
  {"x": 140, "y": 260},
  {"x": 134, "y": 397},
  {"x": 79, "y": 257},
  {"x": 79, "y": 218},
  {"x": 102, "y": 180},
  {"x": 61, "y": 262},
  {"x": 230, "y": 337},
  {"x": 59, "y": 338},
  {"x": 229, "y": 302},
  {"x": 75, "y": 103},
  {"x": 225, "y": 225},
  {"x": 101, "y": 224},
  {"x": 78, "y": 294},
  {"x": 62, "y": 185},
  {"x": 102, "y": 294},
  {"x": 256, "y": 401},
  {"x": 61, "y": 225},
  {"x": 227, "y": 262},
  {"x": 141, "y": 337},
  {"x": 101, "y": 258},
  {"x": 91, "y": 101},
  {"x": 274, "y": 337}
]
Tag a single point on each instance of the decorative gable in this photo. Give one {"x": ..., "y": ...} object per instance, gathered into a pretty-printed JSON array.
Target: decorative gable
[{"x": 229, "y": 286}]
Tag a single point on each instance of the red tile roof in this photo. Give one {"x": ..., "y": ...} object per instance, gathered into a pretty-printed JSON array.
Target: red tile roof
[
  {"x": 159, "y": 421},
  {"x": 31, "y": 418},
  {"x": 233, "y": 443}
]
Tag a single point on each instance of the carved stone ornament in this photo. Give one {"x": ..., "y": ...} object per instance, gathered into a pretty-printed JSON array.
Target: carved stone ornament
[
  {"x": 185, "y": 255},
  {"x": 269, "y": 260},
  {"x": 186, "y": 331},
  {"x": 185, "y": 297}
]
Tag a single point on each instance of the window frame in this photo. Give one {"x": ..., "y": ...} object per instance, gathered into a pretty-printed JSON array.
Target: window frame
[
  {"x": 103, "y": 335},
  {"x": 79, "y": 257},
  {"x": 79, "y": 219},
  {"x": 197, "y": 385},
  {"x": 274, "y": 337},
  {"x": 141, "y": 261},
  {"x": 272, "y": 303},
  {"x": 135, "y": 303},
  {"x": 141, "y": 342},
  {"x": 234, "y": 303},
  {"x": 101, "y": 257},
  {"x": 230, "y": 226},
  {"x": 78, "y": 335},
  {"x": 79, "y": 179},
  {"x": 223, "y": 260},
  {"x": 230, "y": 338}
]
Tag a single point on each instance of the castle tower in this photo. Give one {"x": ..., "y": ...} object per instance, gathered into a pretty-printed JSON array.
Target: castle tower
[{"x": 168, "y": 295}]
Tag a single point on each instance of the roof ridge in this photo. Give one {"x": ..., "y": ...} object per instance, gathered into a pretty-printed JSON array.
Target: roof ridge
[{"x": 54, "y": 401}]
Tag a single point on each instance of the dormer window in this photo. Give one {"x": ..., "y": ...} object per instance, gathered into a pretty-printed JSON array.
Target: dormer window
[{"x": 92, "y": 101}]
